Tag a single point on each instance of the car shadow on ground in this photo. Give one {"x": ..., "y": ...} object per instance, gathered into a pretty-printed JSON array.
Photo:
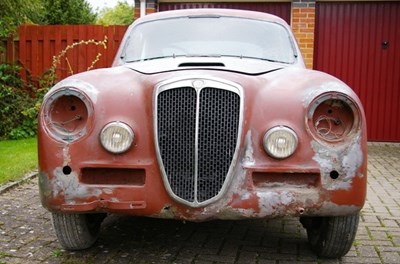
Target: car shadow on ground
[{"x": 126, "y": 239}]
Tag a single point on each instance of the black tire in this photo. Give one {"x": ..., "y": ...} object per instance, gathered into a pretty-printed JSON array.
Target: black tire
[
  {"x": 77, "y": 231},
  {"x": 331, "y": 237}
]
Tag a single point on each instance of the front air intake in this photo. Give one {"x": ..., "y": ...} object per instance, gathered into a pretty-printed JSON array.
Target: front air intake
[{"x": 197, "y": 133}]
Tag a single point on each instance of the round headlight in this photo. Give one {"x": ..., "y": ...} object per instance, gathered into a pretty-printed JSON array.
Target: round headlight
[
  {"x": 67, "y": 114},
  {"x": 116, "y": 137},
  {"x": 280, "y": 142}
]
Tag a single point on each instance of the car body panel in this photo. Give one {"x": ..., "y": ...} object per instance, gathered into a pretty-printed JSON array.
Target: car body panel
[{"x": 80, "y": 176}]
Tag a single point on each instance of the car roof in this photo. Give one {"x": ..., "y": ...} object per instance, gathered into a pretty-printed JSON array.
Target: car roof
[{"x": 211, "y": 12}]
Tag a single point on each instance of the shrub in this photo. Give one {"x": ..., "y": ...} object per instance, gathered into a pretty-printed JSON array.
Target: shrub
[
  {"x": 20, "y": 101},
  {"x": 17, "y": 119}
]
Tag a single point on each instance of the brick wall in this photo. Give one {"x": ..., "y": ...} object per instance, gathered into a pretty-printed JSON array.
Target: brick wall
[
  {"x": 303, "y": 24},
  {"x": 151, "y": 7}
]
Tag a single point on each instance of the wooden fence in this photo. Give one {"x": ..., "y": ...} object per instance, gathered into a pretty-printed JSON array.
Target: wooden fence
[{"x": 35, "y": 46}]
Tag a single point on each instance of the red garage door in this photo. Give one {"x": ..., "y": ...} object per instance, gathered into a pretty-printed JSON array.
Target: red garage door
[
  {"x": 360, "y": 43},
  {"x": 279, "y": 9}
]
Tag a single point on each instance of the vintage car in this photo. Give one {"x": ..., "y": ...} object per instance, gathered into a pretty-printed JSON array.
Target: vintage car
[{"x": 205, "y": 114}]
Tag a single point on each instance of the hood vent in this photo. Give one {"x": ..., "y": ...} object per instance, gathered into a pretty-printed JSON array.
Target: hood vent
[{"x": 201, "y": 64}]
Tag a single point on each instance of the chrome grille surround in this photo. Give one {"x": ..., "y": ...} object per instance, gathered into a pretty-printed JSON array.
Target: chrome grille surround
[{"x": 191, "y": 142}]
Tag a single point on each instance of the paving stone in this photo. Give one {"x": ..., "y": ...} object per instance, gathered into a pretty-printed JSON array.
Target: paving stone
[
  {"x": 247, "y": 256},
  {"x": 349, "y": 260},
  {"x": 390, "y": 257},
  {"x": 229, "y": 249},
  {"x": 368, "y": 251}
]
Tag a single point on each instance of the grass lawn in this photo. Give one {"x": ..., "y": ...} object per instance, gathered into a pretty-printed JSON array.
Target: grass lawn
[{"x": 17, "y": 157}]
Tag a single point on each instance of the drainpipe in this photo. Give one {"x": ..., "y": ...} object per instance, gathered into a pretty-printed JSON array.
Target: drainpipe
[{"x": 142, "y": 8}]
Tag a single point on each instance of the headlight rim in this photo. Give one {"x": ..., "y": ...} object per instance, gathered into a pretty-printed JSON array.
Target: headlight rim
[
  {"x": 46, "y": 116},
  {"x": 333, "y": 95}
]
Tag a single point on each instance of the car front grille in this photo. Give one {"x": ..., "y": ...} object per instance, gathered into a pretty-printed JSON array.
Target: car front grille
[{"x": 197, "y": 134}]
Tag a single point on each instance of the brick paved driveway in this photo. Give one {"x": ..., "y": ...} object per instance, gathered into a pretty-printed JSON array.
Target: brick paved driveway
[{"x": 26, "y": 234}]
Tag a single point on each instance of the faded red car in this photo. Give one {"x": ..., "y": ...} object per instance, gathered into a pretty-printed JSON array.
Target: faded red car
[{"x": 205, "y": 114}]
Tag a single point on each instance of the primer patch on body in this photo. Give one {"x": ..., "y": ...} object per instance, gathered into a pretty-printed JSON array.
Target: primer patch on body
[
  {"x": 69, "y": 186},
  {"x": 329, "y": 208},
  {"x": 87, "y": 88},
  {"x": 313, "y": 92},
  {"x": 248, "y": 158},
  {"x": 345, "y": 160},
  {"x": 270, "y": 201}
]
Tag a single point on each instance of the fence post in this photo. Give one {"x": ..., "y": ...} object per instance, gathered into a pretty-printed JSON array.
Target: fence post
[{"x": 22, "y": 50}]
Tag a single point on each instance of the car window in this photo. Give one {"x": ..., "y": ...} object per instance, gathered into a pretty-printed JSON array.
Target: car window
[{"x": 209, "y": 36}]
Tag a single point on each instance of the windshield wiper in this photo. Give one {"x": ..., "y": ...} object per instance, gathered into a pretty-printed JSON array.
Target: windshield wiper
[
  {"x": 152, "y": 58},
  {"x": 255, "y": 58},
  {"x": 207, "y": 56},
  {"x": 178, "y": 55},
  {"x": 272, "y": 60}
]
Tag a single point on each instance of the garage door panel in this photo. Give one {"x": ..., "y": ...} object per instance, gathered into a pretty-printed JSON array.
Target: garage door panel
[{"x": 359, "y": 43}]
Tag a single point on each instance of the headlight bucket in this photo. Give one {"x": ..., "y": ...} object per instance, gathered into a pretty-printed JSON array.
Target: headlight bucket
[
  {"x": 116, "y": 137},
  {"x": 333, "y": 117},
  {"x": 67, "y": 114},
  {"x": 280, "y": 142}
]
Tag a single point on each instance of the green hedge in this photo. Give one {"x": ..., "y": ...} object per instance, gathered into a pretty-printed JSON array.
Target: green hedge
[{"x": 18, "y": 113}]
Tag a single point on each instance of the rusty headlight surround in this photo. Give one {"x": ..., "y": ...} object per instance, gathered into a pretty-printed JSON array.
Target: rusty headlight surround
[
  {"x": 333, "y": 117},
  {"x": 67, "y": 114}
]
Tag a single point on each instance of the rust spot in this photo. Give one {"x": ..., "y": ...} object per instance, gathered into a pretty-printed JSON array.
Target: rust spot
[{"x": 339, "y": 164}]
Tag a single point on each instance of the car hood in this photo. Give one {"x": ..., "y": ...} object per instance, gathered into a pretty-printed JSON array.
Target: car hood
[{"x": 239, "y": 65}]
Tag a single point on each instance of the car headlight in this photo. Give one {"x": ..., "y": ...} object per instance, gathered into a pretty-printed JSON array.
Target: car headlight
[
  {"x": 67, "y": 114},
  {"x": 280, "y": 142},
  {"x": 116, "y": 137},
  {"x": 333, "y": 117}
]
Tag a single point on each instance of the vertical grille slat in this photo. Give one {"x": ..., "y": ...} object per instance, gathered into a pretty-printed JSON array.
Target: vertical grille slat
[{"x": 218, "y": 113}]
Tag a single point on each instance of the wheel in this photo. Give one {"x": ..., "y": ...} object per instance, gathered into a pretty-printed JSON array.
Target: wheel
[
  {"x": 77, "y": 231},
  {"x": 331, "y": 237}
]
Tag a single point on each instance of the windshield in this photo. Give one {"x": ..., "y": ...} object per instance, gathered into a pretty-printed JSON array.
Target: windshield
[{"x": 209, "y": 37}]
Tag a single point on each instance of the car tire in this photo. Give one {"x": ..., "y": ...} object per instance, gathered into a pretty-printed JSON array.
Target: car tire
[
  {"x": 331, "y": 237},
  {"x": 77, "y": 231}
]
